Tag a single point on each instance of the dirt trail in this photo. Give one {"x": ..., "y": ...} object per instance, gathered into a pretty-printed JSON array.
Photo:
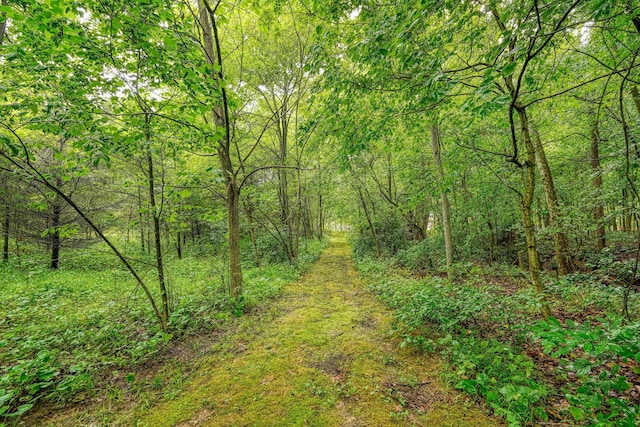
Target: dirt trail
[{"x": 322, "y": 355}]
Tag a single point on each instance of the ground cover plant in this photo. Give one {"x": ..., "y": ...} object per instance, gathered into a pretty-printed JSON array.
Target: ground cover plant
[
  {"x": 66, "y": 334},
  {"x": 580, "y": 367}
]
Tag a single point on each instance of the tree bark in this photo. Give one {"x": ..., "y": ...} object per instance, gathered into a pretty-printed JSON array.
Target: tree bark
[
  {"x": 221, "y": 120},
  {"x": 598, "y": 215},
  {"x": 248, "y": 212},
  {"x": 320, "y": 216},
  {"x": 141, "y": 219},
  {"x": 446, "y": 208},
  {"x": 527, "y": 218},
  {"x": 367, "y": 214},
  {"x": 54, "y": 236},
  {"x": 156, "y": 228},
  {"x": 179, "y": 244},
  {"x": 636, "y": 97},
  {"x": 560, "y": 240},
  {"x": 5, "y": 232},
  {"x": 368, "y": 217},
  {"x": 235, "y": 268},
  {"x": 3, "y": 23}
]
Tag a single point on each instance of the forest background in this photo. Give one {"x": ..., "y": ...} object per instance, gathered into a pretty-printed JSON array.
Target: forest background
[{"x": 166, "y": 166}]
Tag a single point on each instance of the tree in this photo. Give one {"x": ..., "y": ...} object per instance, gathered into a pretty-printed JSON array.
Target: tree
[{"x": 446, "y": 209}]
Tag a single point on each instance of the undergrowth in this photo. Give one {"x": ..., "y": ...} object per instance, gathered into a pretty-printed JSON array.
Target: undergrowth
[
  {"x": 493, "y": 342},
  {"x": 63, "y": 332}
]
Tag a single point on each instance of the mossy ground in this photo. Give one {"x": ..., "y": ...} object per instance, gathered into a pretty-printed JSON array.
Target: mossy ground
[{"x": 321, "y": 355}]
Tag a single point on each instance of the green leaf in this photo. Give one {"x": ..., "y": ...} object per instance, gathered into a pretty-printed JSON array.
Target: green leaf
[
  {"x": 576, "y": 413},
  {"x": 509, "y": 68},
  {"x": 12, "y": 147},
  {"x": 22, "y": 409}
]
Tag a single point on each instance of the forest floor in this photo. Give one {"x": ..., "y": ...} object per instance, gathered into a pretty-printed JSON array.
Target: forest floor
[{"x": 322, "y": 354}]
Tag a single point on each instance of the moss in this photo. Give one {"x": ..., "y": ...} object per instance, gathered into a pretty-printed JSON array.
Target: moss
[{"x": 322, "y": 357}]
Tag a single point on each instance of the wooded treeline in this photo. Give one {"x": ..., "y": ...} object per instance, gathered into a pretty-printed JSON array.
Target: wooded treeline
[
  {"x": 487, "y": 131},
  {"x": 508, "y": 128},
  {"x": 448, "y": 133},
  {"x": 158, "y": 124}
]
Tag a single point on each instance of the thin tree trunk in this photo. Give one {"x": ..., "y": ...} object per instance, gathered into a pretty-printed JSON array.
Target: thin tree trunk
[
  {"x": 527, "y": 218},
  {"x": 320, "y": 216},
  {"x": 320, "y": 206},
  {"x": 598, "y": 215},
  {"x": 5, "y": 232},
  {"x": 55, "y": 235},
  {"x": 368, "y": 217},
  {"x": 367, "y": 214},
  {"x": 252, "y": 232},
  {"x": 221, "y": 119},
  {"x": 235, "y": 270},
  {"x": 156, "y": 228},
  {"x": 560, "y": 240},
  {"x": 141, "y": 219},
  {"x": 446, "y": 209},
  {"x": 626, "y": 217},
  {"x": 3, "y": 23},
  {"x": 148, "y": 231},
  {"x": 179, "y": 244},
  {"x": 636, "y": 97}
]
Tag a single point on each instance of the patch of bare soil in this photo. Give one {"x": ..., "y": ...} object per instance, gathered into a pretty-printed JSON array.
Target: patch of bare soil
[
  {"x": 335, "y": 365},
  {"x": 420, "y": 396}
]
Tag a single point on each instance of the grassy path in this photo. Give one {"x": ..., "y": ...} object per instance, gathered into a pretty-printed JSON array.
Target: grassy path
[{"x": 320, "y": 356}]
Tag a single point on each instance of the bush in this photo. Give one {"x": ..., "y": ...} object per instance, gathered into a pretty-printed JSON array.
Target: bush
[
  {"x": 420, "y": 256},
  {"x": 390, "y": 233}
]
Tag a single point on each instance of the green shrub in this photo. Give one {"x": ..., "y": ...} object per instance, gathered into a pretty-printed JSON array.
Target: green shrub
[
  {"x": 390, "y": 233},
  {"x": 420, "y": 256},
  {"x": 496, "y": 372}
]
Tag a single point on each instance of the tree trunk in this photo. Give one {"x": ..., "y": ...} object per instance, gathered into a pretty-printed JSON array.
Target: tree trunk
[
  {"x": 248, "y": 212},
  {"x": 367, "y": 214},
  {"x": 141, "y": 219},
  {"x": 320, "y": 216},
  {"x": 446, "y": 209},
  {"x": 527, "y": 218},
  {"x": 560, "y": 240},
  {"x": 368, "y": 217},
  {"x": 598, "y": 215},
  {"x": 179, "y": 244},
  {"x": 286, "y": 215},
  {"x": 3, "y": 23},
  {"x": 153, "y": 207},
  {"x": 233, "y": 211},
  {"x": 221, "y": 120},
  {"x": 636, "y": 97},
  {"x": 6, "y": 223},
  {"x": 626, "y": 218},
  {"x": 54, "y": 236}
]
